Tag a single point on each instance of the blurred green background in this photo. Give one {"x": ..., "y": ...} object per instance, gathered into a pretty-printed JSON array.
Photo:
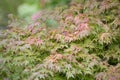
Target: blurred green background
[{"x": 25, "y": 8}]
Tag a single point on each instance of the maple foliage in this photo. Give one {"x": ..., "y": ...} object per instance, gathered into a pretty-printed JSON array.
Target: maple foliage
[{"x": 85, "y": 45}]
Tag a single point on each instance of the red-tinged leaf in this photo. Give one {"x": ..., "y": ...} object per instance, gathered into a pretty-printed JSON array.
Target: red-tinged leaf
[{"x": 36, "y": 16}]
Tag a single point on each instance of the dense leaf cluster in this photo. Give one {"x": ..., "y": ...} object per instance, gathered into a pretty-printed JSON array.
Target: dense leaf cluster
[{"x": 84, "y": 46}]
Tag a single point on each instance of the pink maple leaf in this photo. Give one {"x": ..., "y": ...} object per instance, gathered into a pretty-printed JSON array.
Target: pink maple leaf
[
  {"x": 36, "y": 16},
  {"x": 39, "y": 42}
]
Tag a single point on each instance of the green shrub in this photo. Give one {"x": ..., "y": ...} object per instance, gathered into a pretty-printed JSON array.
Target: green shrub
[{"x": 84, "y": 46}]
